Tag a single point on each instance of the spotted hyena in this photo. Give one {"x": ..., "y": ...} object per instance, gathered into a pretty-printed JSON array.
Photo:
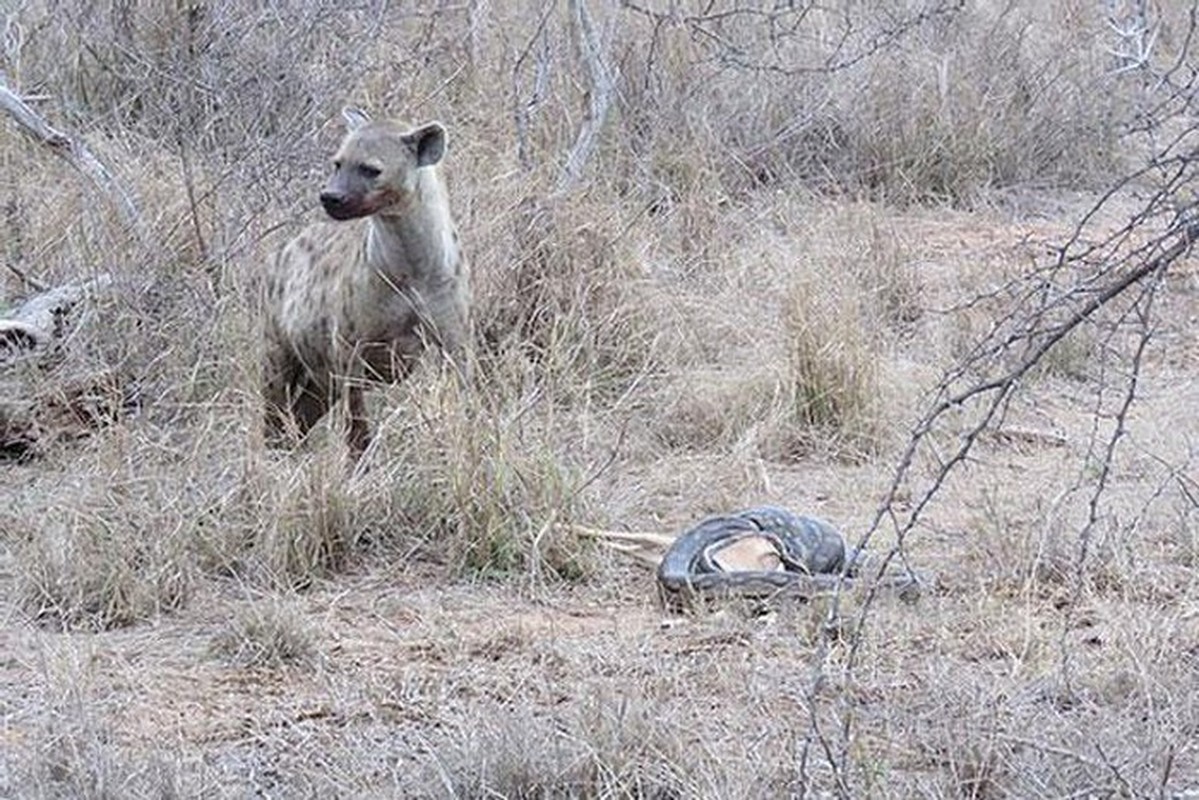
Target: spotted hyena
[{"x": 357, "y": 300}]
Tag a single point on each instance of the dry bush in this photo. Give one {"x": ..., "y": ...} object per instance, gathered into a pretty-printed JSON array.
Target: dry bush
[
  {"x": 282, "y": 519},
  {"x": 995, "y": 100},
  {"x": 992, "y": 95},
  {"x": 787, "y": 341},
  {"x": 206, "y": 82}
]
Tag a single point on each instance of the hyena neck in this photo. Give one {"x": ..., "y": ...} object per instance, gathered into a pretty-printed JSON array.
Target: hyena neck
[{"x": 415, "y": 242}]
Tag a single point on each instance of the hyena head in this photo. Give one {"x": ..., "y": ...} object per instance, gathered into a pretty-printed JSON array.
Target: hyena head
[{"x": 375, "y": 167}]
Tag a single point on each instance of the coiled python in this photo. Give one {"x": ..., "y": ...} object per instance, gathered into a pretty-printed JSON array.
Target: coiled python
[{"x": 763, "y": 552}]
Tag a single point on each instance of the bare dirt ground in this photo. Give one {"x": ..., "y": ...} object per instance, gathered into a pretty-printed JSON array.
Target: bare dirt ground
[{"x": 417, "y": 685}]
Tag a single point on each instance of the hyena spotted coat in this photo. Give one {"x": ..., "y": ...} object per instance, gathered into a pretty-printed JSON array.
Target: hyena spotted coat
[{"x": 357, "y": 300}]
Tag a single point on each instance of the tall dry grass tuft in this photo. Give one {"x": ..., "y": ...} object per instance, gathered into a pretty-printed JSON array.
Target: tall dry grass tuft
[
  {"x": 268, "y": 634},
  {"x": 280, "y": 519},
  {"x": 833, "y": 363},
  {"x": 853, "y": 295},
  {"x": 302, "y": 517},
  {"x": 783, "y": 344},
  {"x": 575, "y": 302},
  {"x": 475, "y": 477}
]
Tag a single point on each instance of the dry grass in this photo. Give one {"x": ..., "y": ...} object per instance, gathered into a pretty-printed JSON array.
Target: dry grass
[
  {"x": 266, "y": 635},
  {"x": 745, "y": 300},
  {"x": 474, "y": 479},
  {"x": 98, "y": 559}
]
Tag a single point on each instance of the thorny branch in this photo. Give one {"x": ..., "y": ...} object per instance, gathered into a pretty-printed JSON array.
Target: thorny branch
[
  {"x": 1142, "y": 308},
  {"x": 1089, "y": 277},
  {"x": 989, "y": 395}
]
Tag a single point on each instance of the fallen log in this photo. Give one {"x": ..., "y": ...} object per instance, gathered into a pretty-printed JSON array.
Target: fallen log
[
  {"x": 47, "y": 394},
  {"x": 35, "y": 324}
]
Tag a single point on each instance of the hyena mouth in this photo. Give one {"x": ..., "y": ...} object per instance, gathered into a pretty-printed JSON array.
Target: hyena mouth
[{"x": 340, "y": 209}]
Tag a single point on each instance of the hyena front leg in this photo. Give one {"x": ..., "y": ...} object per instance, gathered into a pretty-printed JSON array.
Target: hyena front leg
[
  {"x": 358, "y": 434},
  {"x": 450, "y": 331},
  {"x": 294, "y": 400},
  {"x": 277, "y": 376}
]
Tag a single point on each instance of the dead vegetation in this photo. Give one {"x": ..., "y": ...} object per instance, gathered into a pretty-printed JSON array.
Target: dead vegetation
[{"x": 921, "y": 268}]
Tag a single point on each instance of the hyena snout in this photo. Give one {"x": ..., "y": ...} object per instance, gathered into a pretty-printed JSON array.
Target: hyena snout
[{"x": 340, "y": 205}]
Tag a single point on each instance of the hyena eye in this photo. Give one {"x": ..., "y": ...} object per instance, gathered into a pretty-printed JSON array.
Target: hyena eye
[{"x": 368, "y": 172}]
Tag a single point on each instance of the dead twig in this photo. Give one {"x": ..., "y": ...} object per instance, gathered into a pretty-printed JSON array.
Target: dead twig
[{"x": 34, "y": 283}]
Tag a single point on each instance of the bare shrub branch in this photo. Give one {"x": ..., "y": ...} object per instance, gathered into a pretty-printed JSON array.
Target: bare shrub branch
[
  {"x": 730, "y": 34},
  {"x": 602, "y": 80},
  {"x": 523, "y": 108},
  {"x": 75, "y": 153},
  {"x": 1102, "y": 276}
]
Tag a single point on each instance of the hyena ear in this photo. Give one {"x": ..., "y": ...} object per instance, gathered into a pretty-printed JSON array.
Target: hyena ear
[
  {"x": 428, "y": 142},
  {"x": 355, "y": 117}
]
